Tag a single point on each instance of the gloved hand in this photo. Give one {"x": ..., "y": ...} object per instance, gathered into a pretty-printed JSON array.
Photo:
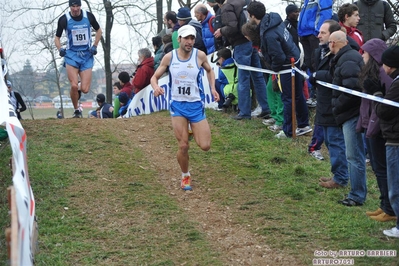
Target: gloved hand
[
  {"x": 371, "y": 86},
  {"x": 93, "y": 50},
  {"x": 312, "y": 79},
  {"x": 62, "y": 52}
]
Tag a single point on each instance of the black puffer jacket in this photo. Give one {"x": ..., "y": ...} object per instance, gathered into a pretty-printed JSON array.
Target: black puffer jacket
[
  {"x": 230, "y": 13},
  {"x": 389, "y": 115},
  {"x": 324, "y": 114},
  {"x": 345, "y": 69}
]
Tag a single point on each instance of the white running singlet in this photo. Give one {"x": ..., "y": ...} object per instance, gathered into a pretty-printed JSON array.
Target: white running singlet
[{"x": 184, "y": 78}]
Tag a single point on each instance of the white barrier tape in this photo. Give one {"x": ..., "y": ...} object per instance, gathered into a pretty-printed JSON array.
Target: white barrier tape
[
  {"x": 250, "y": 68},
  {"x": 358, "y": 93}
]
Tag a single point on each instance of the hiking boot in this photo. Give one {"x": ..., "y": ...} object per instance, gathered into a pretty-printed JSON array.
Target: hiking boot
[
  {"x": 350, "y": 202},
  {"x": 330, "y": 184},
  {"x": 317, "y": 155},
  {"x": 269, "y": 122},
  {"x": 280, "y": 135},
  {"x": 264, "y": 115},
  {"x": 303, "y": 130},
  {"x": 325, "y": 179},
  {"x": 77, "y": 114},
  {"x": 186, "y": 183},
  {"x": 375, "y": 213},
  {"x": 394, "y": 232},
  {"x": 383, "y": 217}
]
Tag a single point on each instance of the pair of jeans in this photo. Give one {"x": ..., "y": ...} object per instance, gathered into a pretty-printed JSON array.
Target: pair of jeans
[
  {"x": 301, "y": 109},
  {"x": 393, "y": 178},
  {"x": 356, "y": 158},
  {"x": 317, "y": 138},
  {"x": 275, "y": 103},
  {"x": 245, "y": 54},
  {"x": 335, "y": 143},
  {"x": 378, "y": 160}
]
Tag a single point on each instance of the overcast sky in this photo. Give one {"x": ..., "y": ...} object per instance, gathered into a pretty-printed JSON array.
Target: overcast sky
[{"x": 13, "y": 40}]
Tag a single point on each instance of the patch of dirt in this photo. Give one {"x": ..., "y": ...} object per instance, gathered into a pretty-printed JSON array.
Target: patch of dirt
[{"x": 236, "y": 243}]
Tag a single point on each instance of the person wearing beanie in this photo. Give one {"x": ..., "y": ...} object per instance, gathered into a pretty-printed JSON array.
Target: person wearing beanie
[
  {"x": 124, "y": 101},
  {"x": 127, "y": 87},
  {"x": 184, "y": 18},
  {"x": 389, "y": 123},
  {"x": 374, "y": 78},
  {"x": 16, "y": 100},
  {"x": 187, "y": 106},
  {"x": 291, "y": 22},
  {"x": 79, "y": 52}
]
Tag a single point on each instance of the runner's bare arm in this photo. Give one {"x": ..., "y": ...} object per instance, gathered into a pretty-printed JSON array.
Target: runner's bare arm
[{"x": 163, "y": 66}]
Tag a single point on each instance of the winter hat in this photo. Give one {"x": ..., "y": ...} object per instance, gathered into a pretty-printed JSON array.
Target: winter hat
[
  {"x": 75, "y": 2},
  {"x": 211, "y": 1},
  {"x": 290, "y": 9},
  {"x": 124, "y": 77},
  {"x": 9, "y": 84},
  {"x": 183, "y": 13},
  {"x": 375, "y": 47},
  {"x": 123, "y": 98},
  {"x": 391, "y": 57},
  {"x": 100, "y": 98},
  {"x": 186, "y": 30}
]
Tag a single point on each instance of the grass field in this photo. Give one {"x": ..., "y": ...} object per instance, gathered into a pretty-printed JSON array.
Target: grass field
[{"x": 256, "y": 199}]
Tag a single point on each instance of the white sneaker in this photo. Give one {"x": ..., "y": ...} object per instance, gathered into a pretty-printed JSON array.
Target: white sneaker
[
  {"x": 302, "y": 131},
  {"x": 280, "y": 135},
  {"x": 269, "y": 122},
  {"x": 317, "y": 154},
  {"x": 256, "y": 111},
  {"x": 394, "y": 232},
  {"x": 275, "y": 128}
]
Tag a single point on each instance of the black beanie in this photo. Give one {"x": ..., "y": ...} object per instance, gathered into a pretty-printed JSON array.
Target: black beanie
[
  {"x": 75, "y": 2},
  {"x": 391, "y": 57},
  {"x": 291, "y": 8},
  {"x": 124, "y": 77}
]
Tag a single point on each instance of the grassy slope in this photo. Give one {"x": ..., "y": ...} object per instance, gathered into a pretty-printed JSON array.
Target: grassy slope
[{"x": 128, "y": 218}]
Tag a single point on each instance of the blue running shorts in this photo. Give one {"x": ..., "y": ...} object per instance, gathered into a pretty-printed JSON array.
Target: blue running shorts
[
  {"x": 81, "y": 60},
  {"x": 193, "y": 111}
]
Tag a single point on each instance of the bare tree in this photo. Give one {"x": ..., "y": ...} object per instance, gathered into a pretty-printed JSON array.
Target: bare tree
[{"x": 137, "y": 18}]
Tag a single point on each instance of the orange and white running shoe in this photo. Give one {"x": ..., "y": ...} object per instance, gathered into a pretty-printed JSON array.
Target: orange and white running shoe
[{"x": 186, "y": 183}]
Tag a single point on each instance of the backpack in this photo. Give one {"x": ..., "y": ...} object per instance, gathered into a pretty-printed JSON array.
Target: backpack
[{"x": 244, "y": 16}]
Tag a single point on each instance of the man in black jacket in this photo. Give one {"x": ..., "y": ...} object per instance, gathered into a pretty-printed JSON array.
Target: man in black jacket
[
  {"x": 389, "y": 121},
  {"x": 244, "y": 54},
  {"x": 345, "y": 68},
  {"x": 333, "y": 135},
  {"x": 16, "y": 100}
]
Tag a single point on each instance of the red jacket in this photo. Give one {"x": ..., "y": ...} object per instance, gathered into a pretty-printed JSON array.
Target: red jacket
[
  {"x": 143, "y": 75},
  {"x": 354, "y": 33},
  {"x": 128, "y": 88}
]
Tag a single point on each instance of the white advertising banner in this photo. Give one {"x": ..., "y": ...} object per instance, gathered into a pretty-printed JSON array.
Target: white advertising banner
[{"x": 23, "y": 192}]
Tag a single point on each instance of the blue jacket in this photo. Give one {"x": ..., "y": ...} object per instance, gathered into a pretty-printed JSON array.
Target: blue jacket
[
  {"x": 276, "y": 42},
  {"x": 207, "y": 35},
  {"x": 312, "y": 16}
]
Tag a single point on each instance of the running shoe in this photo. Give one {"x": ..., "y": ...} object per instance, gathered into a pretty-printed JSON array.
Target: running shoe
[{"x": 186, "y": 183}]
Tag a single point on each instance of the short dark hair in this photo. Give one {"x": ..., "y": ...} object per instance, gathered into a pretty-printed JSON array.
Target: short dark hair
[
  {"x": 118, "y": 85},
  {"x": 251, "y": 30},
  {"x": 171, "y": 15},
  {"x": 157, "y": 41},
  {"x": 167, "y": 38},
  {"x": 346, "y": 9},
  {"x": 224, "y": 53},
  {"x": 333, "y": 25},
  {"x": 256, "y": 9}
]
